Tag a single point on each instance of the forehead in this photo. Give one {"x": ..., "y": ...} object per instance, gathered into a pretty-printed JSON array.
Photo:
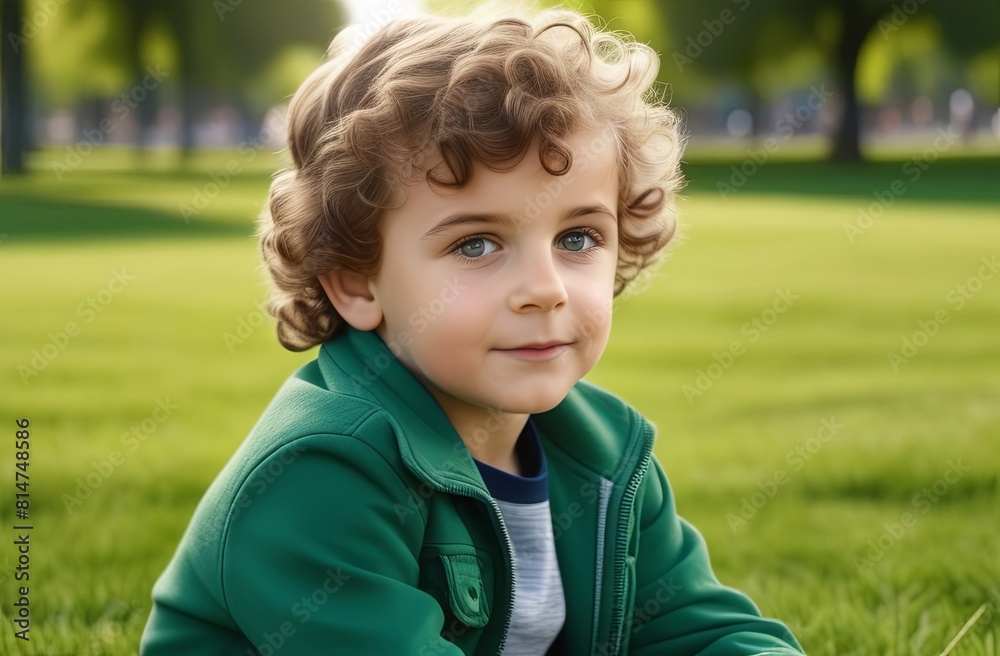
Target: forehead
[{"x": 521, "y": 187}]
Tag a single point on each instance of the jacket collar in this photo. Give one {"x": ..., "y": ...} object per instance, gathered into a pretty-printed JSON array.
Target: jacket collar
[{"x": 590, "y": 425}]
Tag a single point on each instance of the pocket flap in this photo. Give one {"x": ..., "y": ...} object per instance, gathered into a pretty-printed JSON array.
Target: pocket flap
[{"x": 466, "y": 594}]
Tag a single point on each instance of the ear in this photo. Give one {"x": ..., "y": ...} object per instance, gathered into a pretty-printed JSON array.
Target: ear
[{"x": 351, "y": 295}]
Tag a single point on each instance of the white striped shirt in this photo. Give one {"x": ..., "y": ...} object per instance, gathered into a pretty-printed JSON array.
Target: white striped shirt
[{"x": 539, "y": 605}]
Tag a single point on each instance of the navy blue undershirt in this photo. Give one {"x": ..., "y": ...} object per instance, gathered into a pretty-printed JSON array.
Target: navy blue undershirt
[{"x": 533, "y": 488}]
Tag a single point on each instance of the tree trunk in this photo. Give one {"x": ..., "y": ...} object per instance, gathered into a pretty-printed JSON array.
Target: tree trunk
[
  {"x": 856, "y": 23},
  {"x": 13, "y": 89},
  {"x": 145, "y": 114},
  {"x": 180, "y": 16}
]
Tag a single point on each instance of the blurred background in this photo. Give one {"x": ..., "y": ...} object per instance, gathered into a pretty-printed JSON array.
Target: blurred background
[
  {"x": 820, "y": 351},
  {"x": 187, "y": 75}
]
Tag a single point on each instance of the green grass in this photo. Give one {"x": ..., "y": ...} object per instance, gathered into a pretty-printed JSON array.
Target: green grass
[{"x": 162, "y": 338}]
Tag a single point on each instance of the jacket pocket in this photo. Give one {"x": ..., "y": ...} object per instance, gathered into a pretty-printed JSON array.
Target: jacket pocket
[
  {"x": 460, "y": 578},
  {"x": 466, "y": 593}
]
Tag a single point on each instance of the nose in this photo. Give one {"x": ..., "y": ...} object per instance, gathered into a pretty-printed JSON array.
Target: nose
[{"x": 539, "y": 286}]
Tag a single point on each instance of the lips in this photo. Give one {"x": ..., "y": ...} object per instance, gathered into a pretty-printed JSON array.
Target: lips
[
  {"x": 537, "y": 345},
  {"x": 537, "y": 351}
]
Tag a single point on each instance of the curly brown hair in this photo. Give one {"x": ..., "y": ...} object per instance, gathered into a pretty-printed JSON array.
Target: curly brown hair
[{"x": 473, "y": 89}]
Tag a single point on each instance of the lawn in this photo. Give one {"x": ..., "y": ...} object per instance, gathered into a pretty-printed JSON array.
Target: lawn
[{"x": 827, "y": 397}]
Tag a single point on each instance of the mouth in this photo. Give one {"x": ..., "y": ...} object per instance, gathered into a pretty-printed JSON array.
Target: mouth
[
  {"x": 537, "y": 346},
  {"x": 538, "y": 351}
]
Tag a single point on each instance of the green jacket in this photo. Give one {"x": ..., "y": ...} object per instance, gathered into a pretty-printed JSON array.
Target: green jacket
[{"x": 353, "y": 520}]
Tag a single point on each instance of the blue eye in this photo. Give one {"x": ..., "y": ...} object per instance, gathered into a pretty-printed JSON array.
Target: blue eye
[
  {"x": 475, "y": 247},
  {"x": 575, "y": 240}
]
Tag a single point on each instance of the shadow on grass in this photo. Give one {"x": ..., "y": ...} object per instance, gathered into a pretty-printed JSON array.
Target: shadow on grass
[
  {"x": 953, "y": 180},
  {"x": 32, "y": 218},
  {"x": 34, "y": 209},
  {"x": 115, "y": 195}
]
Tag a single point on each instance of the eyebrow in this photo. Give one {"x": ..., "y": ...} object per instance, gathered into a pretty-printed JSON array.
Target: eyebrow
[{"x": 508, "y": 220}]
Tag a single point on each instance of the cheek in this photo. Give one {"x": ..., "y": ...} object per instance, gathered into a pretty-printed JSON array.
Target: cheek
[
  {"x": 453, "y": 316},
  {"x": 418, "y": 299},
  {"x": 595, "y": 314},
  {"x": 466, "y": 302},
  {"x": 593, "y": 287}
]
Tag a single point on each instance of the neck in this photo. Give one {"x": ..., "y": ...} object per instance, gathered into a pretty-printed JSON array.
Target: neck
[
  {"x": 496, "y": 448},
  {"x": 491, "y": 436}
]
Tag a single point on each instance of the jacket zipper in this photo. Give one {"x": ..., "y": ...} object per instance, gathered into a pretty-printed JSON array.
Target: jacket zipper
[
  {"x": 513, "y": 569},
  {"x": 604, "y": 497},
  {"x": 498, "y": 517},
  {"x": 621, "y": 540}
]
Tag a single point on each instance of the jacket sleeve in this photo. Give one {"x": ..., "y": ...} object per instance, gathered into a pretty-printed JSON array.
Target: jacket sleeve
[
  {"x": 317, "y": 560},
  {"x": 680, "y": 607}
]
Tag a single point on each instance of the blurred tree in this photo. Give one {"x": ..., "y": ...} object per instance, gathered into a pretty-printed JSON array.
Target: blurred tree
[
  {"x": 52, "y": 51},
  {"x": 77, "y": 54},
  {"x": 984, "y": 75},
  {"x": 720, "y": 35},
  {"x": 13, "y": 89},
  {"x": 83, "y": 54},
  {"x": 225, "y": 47},
  {"x": 911, "y": 63}
]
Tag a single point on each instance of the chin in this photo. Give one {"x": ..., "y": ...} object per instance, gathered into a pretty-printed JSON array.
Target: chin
[{"x": 534, "y": 404}]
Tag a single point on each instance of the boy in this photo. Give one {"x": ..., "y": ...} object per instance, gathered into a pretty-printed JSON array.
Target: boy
[{"x": 466, "y": 199}]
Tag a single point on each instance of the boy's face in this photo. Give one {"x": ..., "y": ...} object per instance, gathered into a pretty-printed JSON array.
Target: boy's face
[{"x": 454, "y": 321}]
